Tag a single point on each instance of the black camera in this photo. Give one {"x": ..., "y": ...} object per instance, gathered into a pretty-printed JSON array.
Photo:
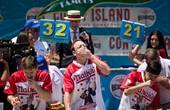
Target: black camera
[
  {"x": 13, "y": 52},
  {"x": 25, "y": 53}
]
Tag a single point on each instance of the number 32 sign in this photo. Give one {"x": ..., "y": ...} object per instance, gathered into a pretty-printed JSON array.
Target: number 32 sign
[
  {"x": 54, "y": 31},
  {"x": 133, "y": 32}
]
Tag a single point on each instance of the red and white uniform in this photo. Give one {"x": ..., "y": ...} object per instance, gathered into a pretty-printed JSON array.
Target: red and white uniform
[
  {"x": 84, "y": 83},
  {"x": 147, "y": 96},
  {"x": 19, "y": 86},
  {"x": 165, "y": 71}
]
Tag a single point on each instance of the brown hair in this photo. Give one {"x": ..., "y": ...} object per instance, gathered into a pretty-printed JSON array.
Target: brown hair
[
  {"x": 154, "y": 67},
  {"x": 151, "y": 54},
  {"x": 72, "y": 46},
  {"x": 29, "y": 62},
  {"x": 160, "y": 39},
  {"x": 22, "y": 38}
]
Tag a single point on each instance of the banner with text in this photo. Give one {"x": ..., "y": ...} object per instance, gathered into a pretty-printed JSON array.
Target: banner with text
[{"x": 102, "y": 17}]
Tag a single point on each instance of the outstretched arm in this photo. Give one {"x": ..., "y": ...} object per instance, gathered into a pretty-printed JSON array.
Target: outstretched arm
[
  {"x": 133, "y": 55},
  {"x": 133, "y": 89}
]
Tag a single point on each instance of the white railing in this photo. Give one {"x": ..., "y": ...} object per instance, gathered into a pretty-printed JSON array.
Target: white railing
[{"x": 112, "y": 69}]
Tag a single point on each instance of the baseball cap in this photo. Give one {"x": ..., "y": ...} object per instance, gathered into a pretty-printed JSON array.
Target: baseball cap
[
  {"x": 32, "y": 23},
  {"x": 42, "y": 63}
]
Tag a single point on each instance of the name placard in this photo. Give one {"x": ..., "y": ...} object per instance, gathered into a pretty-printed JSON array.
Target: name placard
[
  {"x": 133, "y": 32},
  {"x": 54, "y": 31}
]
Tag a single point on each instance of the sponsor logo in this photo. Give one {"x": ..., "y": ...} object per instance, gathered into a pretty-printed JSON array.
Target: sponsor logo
[
  {"x": 115, "y": 86},
  {"x": 112, "y": 17},
  {"x": 74, "y": 2},
  {"x": 85, "y": 75},
  {"x": 146, "y": 16}
]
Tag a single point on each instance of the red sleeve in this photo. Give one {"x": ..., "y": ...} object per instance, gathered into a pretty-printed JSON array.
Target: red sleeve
[
  {"x": 47, "y": 83},
  {"x": 68, "y": 82},
  {"x": 156, "y": 101},
  {"x": 162, "y": 53},
  {"x": 1, "y": 83},
  {"x": 98, "y": 71},
  {"x": 10, "y": 87},
  {"x": 129, "y": 80}
]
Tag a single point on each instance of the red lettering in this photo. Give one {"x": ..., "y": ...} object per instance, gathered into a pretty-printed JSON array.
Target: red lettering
[
  {"x": 103, "y": 15},
  {"x": 59, "y": 16},
  {"x": 98, "y": 16},
  {"x": 56, "y": 16},
  {"x": 119, "y": 14},
  {"x": 92, "y": 14},
  {"x": 126, "y": 14},
  {"x": 118, "y": 43},
  {"x": 125, "y": 45},
  {"x": 111, "y": 42},
  {"x": 111, "y": 15},
  {"x": 25, "y": 90},
  {"x": 86, "y": 74}
]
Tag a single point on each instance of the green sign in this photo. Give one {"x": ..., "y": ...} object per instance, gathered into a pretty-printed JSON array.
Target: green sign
[{"x": 64, "y": 5}]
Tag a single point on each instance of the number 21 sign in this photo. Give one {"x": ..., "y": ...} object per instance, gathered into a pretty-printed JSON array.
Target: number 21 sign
[
  {"x": 133, "y": 32},
  {"x": 54, "y": 31}
]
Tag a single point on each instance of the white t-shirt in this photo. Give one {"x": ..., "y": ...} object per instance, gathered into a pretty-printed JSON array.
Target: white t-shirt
[
  {"x": 57, "y": 83},
  {"x": 41, "y": 48},
  {"x": 165, "y": 71}
]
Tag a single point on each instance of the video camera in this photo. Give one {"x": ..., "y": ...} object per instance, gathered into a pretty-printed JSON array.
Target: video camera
[
  {"x": 18, "y": 49},
  {"x": 24, "y": 53},
  {"x": 11, "y": 52}
]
